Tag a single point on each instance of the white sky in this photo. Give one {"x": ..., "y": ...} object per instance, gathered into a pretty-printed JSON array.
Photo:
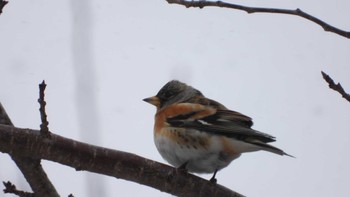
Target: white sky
[{"x": 265, "y": 66}]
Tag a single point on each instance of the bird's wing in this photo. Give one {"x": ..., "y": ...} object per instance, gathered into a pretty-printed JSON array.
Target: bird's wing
[{"x": 218, "y": 122}]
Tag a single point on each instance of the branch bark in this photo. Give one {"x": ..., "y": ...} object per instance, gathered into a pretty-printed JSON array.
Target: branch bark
[
  {"x": 250, "y": 10},
  {"x": 82, "y": 156}
]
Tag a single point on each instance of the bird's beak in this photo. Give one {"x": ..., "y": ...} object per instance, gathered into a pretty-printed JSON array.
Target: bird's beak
[{"x": 153, "y": 100}]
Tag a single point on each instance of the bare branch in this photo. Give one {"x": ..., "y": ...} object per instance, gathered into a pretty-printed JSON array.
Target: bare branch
[
  {"x": 35, "y": 175},
  {"x": 250, "y": 10},
  {"x": 31, "y": 168},
  {"x": 82, "y": 156},
  {"x": 2, "y": 5},
  {"x": 44, "y": 129},
  {"x": 335, "y": 87},
  {"x": 11, "y": 188}
]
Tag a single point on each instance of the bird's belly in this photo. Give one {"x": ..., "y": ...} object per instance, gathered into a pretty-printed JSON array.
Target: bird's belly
[{"x": 203, "y": 153}]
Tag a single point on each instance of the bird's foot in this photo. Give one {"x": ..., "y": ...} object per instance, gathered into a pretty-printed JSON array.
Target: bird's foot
[
  {"x": 213, "y": 179},
  {"x": 182, "y": 168}
]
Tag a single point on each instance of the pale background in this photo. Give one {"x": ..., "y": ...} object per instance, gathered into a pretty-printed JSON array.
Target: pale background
[{"x": 101, "y": 58}]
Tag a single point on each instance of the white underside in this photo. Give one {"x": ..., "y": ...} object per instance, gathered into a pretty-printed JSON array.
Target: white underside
[{"x": 201, "y": 160}]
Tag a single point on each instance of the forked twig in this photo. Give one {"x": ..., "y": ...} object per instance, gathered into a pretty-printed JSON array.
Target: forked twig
[{"x": 11, "y": 189}]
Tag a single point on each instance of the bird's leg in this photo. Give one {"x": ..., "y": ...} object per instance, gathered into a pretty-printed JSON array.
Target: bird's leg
[
  {"x": 213, "y": 179},
  {"x": 182, "y": 168},
  {"x": 179, "y": 171}
]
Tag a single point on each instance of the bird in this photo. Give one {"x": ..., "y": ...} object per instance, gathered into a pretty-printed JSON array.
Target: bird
[{"x": 201, "y": 135}]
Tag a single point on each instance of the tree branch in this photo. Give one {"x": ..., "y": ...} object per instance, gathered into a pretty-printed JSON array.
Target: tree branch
[
  {"x": 2, "y": 5},
  {"x": 250, "y": 10},
  {"x": 82, "y": 156},
  {"x": 31, "y": 168},
  {"x": 335, "y": 87}
]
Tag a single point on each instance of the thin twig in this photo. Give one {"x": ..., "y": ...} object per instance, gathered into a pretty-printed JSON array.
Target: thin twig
[
  {"x": 44, "y": 129},
  {"x": 2, "y": 5},
  {"x": 250, "y": 10},
  {"x": 335, "y": 87},
  {"x": 11, "y": 189}
]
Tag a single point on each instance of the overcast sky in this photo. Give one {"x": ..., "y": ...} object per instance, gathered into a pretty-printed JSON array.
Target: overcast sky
[{"x": 101, "y": 58}]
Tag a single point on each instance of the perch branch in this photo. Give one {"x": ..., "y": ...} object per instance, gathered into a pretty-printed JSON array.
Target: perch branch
[
  {"x": 82, "y": 156},
  {"x": 250, "y": 10},
  {"x": 336, "y": 87}
]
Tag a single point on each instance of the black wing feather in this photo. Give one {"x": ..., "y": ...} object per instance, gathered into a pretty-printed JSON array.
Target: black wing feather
[{"x": 223, "y": 122}]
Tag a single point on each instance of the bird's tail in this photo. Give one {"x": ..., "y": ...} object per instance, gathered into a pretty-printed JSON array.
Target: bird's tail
[{"x": 269, "y": 148}]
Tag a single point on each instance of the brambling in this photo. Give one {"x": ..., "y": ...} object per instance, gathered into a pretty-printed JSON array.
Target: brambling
[{"x": 201, "y": 135}]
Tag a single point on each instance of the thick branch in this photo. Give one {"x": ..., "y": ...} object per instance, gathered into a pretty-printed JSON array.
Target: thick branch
[
  {"x": 82, "y": 156},
  {"x": 250, "y": 10},
  {"x": 31, "y": 168},
  {"x": 335, "y": 87}
]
